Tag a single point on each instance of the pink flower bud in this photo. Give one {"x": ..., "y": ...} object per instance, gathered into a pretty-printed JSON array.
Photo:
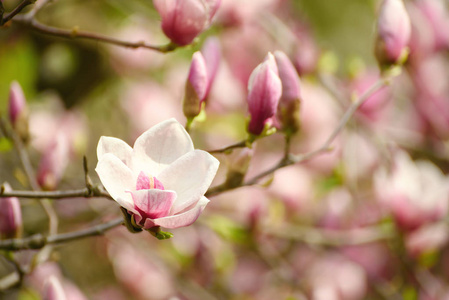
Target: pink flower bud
[
  {"x": 288, "y": 110},
  {"x": 18, "y": 113},
  {"x": 393, "y": 32},
  {"x": 53, "y": 289},
  {"x": 53, "y": 163},
  {"x": 183, "y": 20},
  {"x": 264, "y": 92},
  {"x": 196, "y": 86},
  {"x": 17, "y": 102},
  {"x": 10, "y": 216}
]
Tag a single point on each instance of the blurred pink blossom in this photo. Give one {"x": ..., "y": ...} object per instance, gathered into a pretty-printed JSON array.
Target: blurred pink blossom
[
  {"x": 145, "y": 277},
  {"x": 53, "y": 290},
  {"x": 162, "y": 181},
  {"x": 416, "y": 193},
  {"x": 437, "y": 15},
  {"x": 53, "y": 163},
  {"x": 10, "y": 216},
  {"x": 264, "y": 92},
  {"x": 183, "y": 20},
  {"x": 374, "y": 106},
  {"x": 334, "y": 277},
  {"x": 393, "y": 32},
  {"x": 427, "y": 239}
]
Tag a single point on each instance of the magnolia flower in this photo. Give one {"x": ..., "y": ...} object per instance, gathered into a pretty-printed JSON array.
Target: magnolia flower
[
  {"x": 162, "y": 180},
  {"x": 10, "y": 216}
]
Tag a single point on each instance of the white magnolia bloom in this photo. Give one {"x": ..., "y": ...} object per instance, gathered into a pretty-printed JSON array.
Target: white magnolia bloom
[{"x": 162, "y": 180}]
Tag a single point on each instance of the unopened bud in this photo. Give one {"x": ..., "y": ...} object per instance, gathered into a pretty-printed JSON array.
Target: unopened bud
[
  {"x": 183, "y": 20},
  {"x": 393, "y": 33},
  {"x": 196, "y": 86},
  {"x": 264, "y": 92},
  {"x": 18, "y": 111},
  {"x": 10, "y": 216},
  {"x": 212, "y": 55},
  {"x": 289, "y": 104}
]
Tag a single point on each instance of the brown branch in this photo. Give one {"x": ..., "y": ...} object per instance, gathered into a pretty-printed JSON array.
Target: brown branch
[
  {"x": 16, "y": 10},
  {"x": 76, "y": 34},
  {"x": 84, "y": 193},
  {"x": 39, "y": 241},
  {"x": 241, "y": 144}
]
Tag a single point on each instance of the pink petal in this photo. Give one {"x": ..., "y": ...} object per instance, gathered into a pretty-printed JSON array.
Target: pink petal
[
  {"x": 160, "y": 146},
  {"x": 190, "y": 176},
  {"x": 115, "y": 146},
  {"x": 153, "y": 203},
  {"x": 117, "y": 178},
  {"x": 181, "y": 220}
]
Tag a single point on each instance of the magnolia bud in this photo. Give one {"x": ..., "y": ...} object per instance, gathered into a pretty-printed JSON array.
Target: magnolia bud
[
  {"x": 264, "y": 92},
  {"x": 289, "y": 104},
  {"x": 196, "y": 86},
  {"x": 18, "y": 112},
  {"x": 10, "y": 216},
  {"x": 53, "y": 289},
  {"x": 53, "y": 163},
  {"x": 183, "y": 20},
  {"x": 393, "y": 33}
]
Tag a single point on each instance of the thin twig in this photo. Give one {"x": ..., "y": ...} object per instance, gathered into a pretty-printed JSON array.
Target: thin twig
[
  {"x": 16, "y": 10},
  {"x": 241, "y": 144},
  {"x": 76, "y": 34},
  {"x": 38, "y": 241},
  {"x": 84, "y": 193}
]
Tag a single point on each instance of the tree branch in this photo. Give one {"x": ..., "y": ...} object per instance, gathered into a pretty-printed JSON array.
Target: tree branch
[
  {"x": 38, "y": 241},
  {"x": 16, "y": 10},
  {"x": 76, "y": 34}
]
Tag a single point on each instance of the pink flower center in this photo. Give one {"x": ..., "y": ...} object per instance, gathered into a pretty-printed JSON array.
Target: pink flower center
[{"x": 148, "y": 182}]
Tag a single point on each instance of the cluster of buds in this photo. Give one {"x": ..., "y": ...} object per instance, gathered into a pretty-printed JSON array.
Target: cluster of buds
[
  {"x": 274, "y": 88},
  {"x": 183, "y": 20},
  {"x": 202, "y": 73}
]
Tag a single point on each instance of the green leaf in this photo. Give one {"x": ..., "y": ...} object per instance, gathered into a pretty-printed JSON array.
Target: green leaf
[{"x": 5, "y": 144}]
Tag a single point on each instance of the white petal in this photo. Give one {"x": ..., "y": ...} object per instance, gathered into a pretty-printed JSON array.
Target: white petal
[
  {"x": 180, "y": 220},
  {"x": 190, "y": 176},
  {"x": 160, "y": 146},
  {"x": 115, "y": 146},
  {"x": 117, "y": 179}
]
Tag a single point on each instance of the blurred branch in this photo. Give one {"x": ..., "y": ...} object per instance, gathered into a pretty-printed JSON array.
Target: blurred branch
[
  {"x": 38, "y": 241},
  {"x": 15, "y": 11},
  {"x": 334, "y": 238},
  {"x": 291, "y": 159},
  {"x": 85, "y": 193},
  {"x": 74, "y": 33},
  {"x": 241, "y": 144}
]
